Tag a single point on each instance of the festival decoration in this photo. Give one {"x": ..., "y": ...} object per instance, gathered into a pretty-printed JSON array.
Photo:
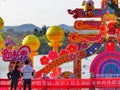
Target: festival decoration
[
  {"x": 113, "y": 4},
  {"x": 94, "y": 48},
  {"x": 104, "y": 2},
  {"x": 103, "y": 30},
  {"x": 63, "y": 51},
  {"x": 86, "y": 25},
  {"x": 77, "y": 68},
  {"x": 118, "y": 34},
  {"x": 82, "y": 54},
  {"x": 21, "y": 54},
  {"x": 88, "y": 8},
  {"x": 44, "y": 60},
  {"x": 67, "y": 74},
  {"x": 1, "y": 42},
  {"x": 72, "y": 48},
  {"x": 110, "y": 46},
  {"x": 111, "y": 30},
  {"x": 75, "y": 84},
  {"x": 62, "y": 58},
  {"x": 55, "y": 35},
  {"x": 32, "y": 42},
  {"x": 9, "y": 43},
  {"x": 53, "y": 55},
  {"x": 82, "y": 46},
  {"x": 1, "y": 23},
  {"x": 73, "y": 37},
  {"x": 106, "y": 63},
  {"x": 79, "y": 13},
  {"x": 108, "y": 17},
  {"x": 55, "y": 73},
  {"x": 72, "y": 56},
  {"x": 107, "y": 8}
]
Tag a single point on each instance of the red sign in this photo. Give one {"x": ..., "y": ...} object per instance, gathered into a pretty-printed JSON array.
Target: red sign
[{"x": 12, "y": 55}]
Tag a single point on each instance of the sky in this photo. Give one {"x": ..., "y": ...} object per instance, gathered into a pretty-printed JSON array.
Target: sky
[{"x": 39, "y": 12}]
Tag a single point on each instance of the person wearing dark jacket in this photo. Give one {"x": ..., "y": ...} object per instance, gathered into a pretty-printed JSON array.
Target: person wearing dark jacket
[{"x": 13, "y": 76}]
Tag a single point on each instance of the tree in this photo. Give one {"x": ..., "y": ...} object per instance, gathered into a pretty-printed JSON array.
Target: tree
[
  {"x": 44, "y": 47},
  {"x": 10, "y": 31},
  {"x": 44, "y": 29},
  {"x": 36, "y": 32}
]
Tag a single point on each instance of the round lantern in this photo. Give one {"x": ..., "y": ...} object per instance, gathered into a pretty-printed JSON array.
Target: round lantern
[
  {"x": 1, "y": 42},
  {"x": 1, "y": 23},
  {"x": 32, "y": 41},
  {"x": 55, "y": 34}
]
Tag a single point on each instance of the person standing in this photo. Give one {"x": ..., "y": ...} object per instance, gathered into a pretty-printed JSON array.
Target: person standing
[
  {"x": 14, "y": 76},
  {"x": 27, "y": 74}
]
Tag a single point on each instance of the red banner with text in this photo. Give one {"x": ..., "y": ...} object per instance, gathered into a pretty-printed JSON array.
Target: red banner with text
[{"x": 67, "y": 83}]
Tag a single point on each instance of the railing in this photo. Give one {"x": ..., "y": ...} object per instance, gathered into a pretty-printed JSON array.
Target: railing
[{"x": 51, "y": 84}]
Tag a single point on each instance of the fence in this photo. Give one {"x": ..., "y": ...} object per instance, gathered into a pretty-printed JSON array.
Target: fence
[{"x": 66, "y": 84}]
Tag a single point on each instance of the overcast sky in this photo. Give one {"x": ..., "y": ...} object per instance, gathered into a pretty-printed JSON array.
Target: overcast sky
[{"x": 39, "y": 12}]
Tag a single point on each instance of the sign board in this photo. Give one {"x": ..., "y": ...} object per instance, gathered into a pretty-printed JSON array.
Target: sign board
[{"x": 16, "y": 55}]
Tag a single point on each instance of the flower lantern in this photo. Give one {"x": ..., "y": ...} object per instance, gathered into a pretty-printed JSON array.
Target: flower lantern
[
  {"x": 63, "y": 51},
  {"x": 72, "y": 56},
  {"x": 53, "y": 55},
  {"x": 72, "y": 48},
  {"x": 44, "y": 60},
  {"x": 56, "y": 72}
]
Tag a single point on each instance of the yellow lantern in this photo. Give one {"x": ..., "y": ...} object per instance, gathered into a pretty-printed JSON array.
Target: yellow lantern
[
  {"x": 55, "y": 34},
  {"x": 1, "y": 42},
  {"x": 32, "y": 41},
  {"x": 1, "y": 23}
]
